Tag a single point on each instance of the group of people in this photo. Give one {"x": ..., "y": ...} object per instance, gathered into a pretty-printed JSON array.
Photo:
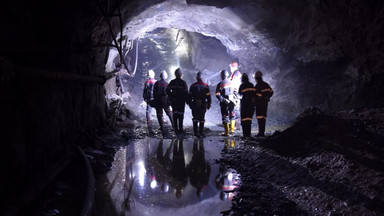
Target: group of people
[{"x": 238, "y": 98}]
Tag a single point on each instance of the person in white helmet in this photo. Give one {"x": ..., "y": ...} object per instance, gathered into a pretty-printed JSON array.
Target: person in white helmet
[
  {"x": 224, "y": 93},
  {"x": 235, "y": 78},
  {"x": 161, "y": 99},
  {"x": 177, "y": 92},
  {"x": 148, "y": 95},
  {"x": 199, "y": 100}
]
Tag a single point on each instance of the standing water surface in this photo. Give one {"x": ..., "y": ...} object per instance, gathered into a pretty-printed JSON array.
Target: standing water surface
[{"x": 167, "y": 177}]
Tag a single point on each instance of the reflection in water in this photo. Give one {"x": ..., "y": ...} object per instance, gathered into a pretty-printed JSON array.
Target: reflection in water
[
  {"x": 171, "y": 177},
  {"x": 229, "y": 143},
  {"x": 179, "y": 177},
  {"x": 198, "y": 169},
  {"x": 163, "y": 166},
  {"x": 227, "y": 180}
]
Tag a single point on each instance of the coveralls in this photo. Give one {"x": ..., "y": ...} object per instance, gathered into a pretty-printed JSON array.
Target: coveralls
[
  {"x": 161, "y": 101},
  {"x": 177, "y": 92},
  {"x": 247, "y": 104},
  {"x": 148, "y": 97},
  {"x": 224, "y": 93},
  {"x": 263, "y": 93},
  {"x": 199, "y": 100},
  {"x": 236, "y": 81}
]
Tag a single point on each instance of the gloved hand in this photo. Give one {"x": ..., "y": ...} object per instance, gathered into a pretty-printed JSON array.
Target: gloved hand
[
  {"x": 226, "y": 101},
  {"x": 208, "y": 106}
]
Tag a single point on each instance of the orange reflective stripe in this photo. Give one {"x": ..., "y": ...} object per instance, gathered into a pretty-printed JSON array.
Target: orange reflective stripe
[
  {"x": 246, "y": 119},
  {"x": 258, "y": 94},
  {"x": 208, "y": 94},
  {"x": 225, "y": 85},
  {"x": 260, "y": 117},
  {"x": 266, "y": 90},
  {"x": 248, "y": 89}
]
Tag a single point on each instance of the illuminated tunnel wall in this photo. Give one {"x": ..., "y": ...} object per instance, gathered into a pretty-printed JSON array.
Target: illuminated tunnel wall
[
  {"x": 324, "y": 53},
  {"x": 295, "y": 45}
]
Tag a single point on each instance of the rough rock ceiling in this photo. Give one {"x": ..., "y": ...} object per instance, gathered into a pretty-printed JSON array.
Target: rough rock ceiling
[{"x": 329, "y": 43}]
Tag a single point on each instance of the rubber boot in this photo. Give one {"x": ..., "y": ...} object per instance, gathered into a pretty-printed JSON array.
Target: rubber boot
[
  {"x": 261, "y": 123},
  {"x": 226, "y": 130},
  {"x": 233, "y": 124},
  {"x": 243, "y": 125},
  {"x": 148, "y": 116},
  {"x": 161, "y": 123},
  {"x": 238, "y": 124},
  {"x": 175, "y": 124},
  {"x": 201, "y": 128},
  {"x": 181, "y": 125},
  {"x": 195, "y": 128},
  {"x": 171, "y": 120},
  {"x": 246, "y": 129}
]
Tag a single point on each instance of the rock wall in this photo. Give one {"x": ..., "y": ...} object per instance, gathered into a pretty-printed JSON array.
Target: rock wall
[{"x": 43, "y": 116}]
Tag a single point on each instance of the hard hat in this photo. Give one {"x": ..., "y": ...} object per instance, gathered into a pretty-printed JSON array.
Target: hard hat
[
  {"x": 163, "y": 74},
  {"x": 178, "y": 72},
  {"x": 234, "y": 64},
  {"x": 244, "y": 77},
  {"x": 151, "y": 74},
  {"x": 199, "y": 75},
  {"x": 224, "y": 74},
  {"x": 258, "y": 74}
]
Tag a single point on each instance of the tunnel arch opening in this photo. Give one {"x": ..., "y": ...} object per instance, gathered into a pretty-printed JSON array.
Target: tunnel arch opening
[{"x": 199, "y": 38}]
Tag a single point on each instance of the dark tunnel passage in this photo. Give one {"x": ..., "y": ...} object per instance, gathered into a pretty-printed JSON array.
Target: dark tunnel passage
[{"x": 71, "y": 84}]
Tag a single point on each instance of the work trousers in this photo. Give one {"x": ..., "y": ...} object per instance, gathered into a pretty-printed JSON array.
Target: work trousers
[
  {"x": 198, "y": 110},
  {"x": 227, "y": 112}
]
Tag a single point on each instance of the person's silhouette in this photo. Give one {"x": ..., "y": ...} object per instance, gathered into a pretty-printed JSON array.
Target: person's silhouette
[
  {"x": 198, "y": 169},
  {"x": 179, "y": 176}
]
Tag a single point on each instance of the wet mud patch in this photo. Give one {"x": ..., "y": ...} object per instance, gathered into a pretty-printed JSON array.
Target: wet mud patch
[{"x": 325, "y": 164}]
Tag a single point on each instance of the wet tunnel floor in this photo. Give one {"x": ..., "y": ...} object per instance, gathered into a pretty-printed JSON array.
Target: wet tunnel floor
[
  {"x": 168, "y": 177},
  {"x": 161, "y": 174}
]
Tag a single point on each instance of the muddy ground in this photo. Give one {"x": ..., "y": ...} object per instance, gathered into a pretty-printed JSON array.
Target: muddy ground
[{"x": 325, "y": 164}]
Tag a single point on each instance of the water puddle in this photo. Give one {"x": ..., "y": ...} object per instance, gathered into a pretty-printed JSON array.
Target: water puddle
[{"x": 167, "y": 177}]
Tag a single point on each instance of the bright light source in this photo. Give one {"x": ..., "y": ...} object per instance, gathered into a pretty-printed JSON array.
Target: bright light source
[
  {"x": 182, "y": 49},
  {"x": 230, "y": 176},
  {"x": 153, "y": 184},
  {"x": 142, "y": 172},
  {"x": 172, "y": 70}
]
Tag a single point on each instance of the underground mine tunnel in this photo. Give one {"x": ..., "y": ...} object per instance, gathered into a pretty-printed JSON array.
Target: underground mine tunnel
[{"x": 74, "y": 134}]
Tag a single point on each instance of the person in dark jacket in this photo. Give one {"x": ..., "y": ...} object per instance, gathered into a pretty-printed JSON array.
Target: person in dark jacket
[
  {"x": 224, "y": 93},
  {"x": 177, "y": 92},
  {"x": 161, "y": 99},
  {"x": 247, "y": 104},
  {"x": 199, "y": 100},
  {"x": 263, "y": 94},
  {"x": 148, "y": 95}
]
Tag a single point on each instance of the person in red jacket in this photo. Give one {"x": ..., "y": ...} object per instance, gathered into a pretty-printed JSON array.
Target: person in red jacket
[
  {"x": 199, "y": 100},
  {"x": 177, "y": 92},
  {"x": 161, "y": 99},
  {"x": 148, "y": 95}
]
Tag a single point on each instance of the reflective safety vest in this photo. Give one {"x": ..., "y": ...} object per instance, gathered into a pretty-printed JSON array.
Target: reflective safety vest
[{"x": 224, "y": 90}]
